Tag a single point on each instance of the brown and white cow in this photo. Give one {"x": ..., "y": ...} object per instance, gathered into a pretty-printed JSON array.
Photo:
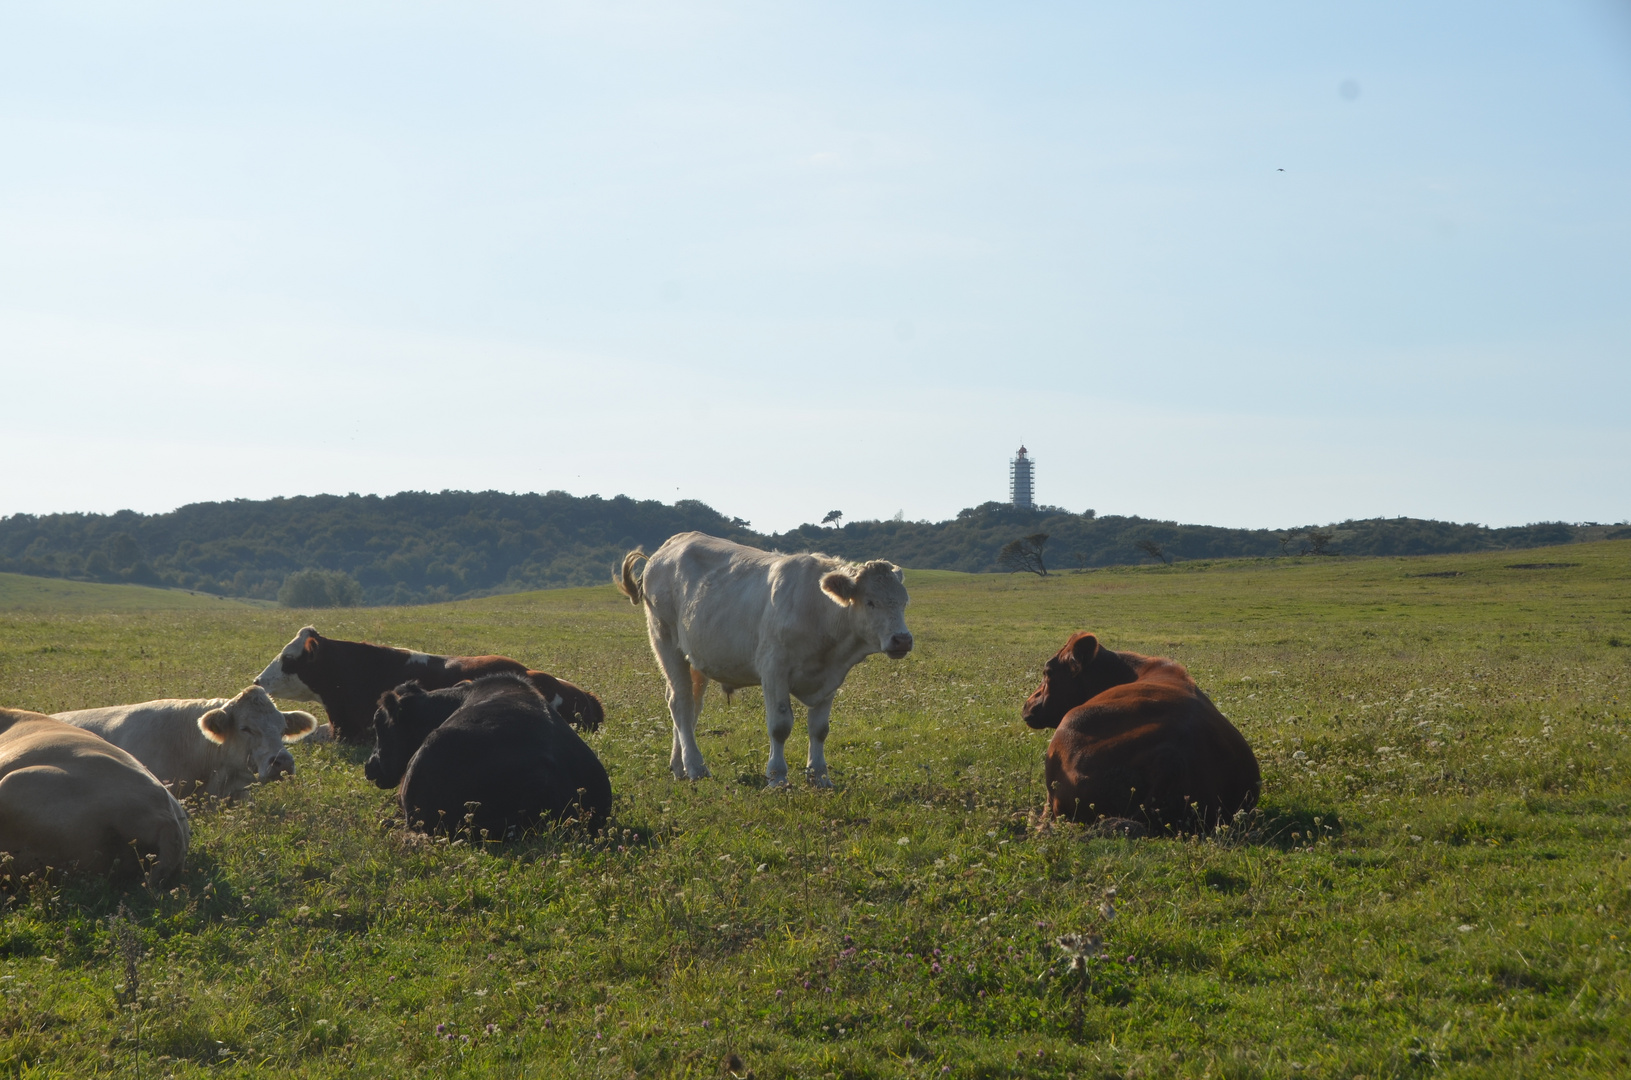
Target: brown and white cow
[
  {"x": 221, "y": 745},
  {"x": 793, "y": 624},
  {"x": 1136, "y": 738},
  {"x": 349, "y": 676},
  {"x": 71, "y": 800}
]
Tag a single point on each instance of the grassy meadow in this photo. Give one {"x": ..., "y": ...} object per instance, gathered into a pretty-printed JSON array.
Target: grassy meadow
[{"x": 1436, "y": 883}]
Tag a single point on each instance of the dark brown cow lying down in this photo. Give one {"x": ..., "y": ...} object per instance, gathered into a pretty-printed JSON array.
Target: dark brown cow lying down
[
  {"x": 349, "y": 676},
  {"x": 1138, "y": 739},
  {"x": 492, "y": 751},
  {"x": 72, "y": 800}
]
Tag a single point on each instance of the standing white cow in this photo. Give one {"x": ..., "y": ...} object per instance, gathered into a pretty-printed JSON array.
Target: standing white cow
[
  {"x": 793, "y": 624},
  {"x": 221, "y": 745}
]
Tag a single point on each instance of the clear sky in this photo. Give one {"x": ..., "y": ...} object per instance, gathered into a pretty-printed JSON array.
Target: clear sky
[{"x": 1258, "y": 264}]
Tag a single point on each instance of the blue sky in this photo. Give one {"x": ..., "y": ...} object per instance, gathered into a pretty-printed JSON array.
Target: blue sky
[{"x": 786, "y": 258}]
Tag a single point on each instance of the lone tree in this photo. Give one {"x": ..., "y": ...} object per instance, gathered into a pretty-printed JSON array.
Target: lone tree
[
  {"x": 1153, "y": 550},
  {"x": 320, "y": 589},
  {"x": 1319, "y": 542},
  {"x": 1024, "y": 554},
  {"x": 833, "y": 518}
]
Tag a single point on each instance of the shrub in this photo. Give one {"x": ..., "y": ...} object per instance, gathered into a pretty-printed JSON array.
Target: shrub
[{"x": 320, "y": 589}]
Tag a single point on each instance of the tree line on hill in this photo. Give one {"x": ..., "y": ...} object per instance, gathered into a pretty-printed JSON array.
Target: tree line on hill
[{"x": 422, "y": 547}]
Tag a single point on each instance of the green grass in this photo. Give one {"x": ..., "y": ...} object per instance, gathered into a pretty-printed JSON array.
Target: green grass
[{"x": 1436, "y": 884}]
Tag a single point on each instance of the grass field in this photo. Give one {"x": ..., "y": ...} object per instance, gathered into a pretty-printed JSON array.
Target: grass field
[{"x": 1436, "y": 883}]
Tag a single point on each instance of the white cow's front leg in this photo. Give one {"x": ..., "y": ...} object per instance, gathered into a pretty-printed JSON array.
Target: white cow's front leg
[
  {"x": 779, "y": 723},
  {"x": 685, "y": 757},
  {"x": 816, "y": 768}
]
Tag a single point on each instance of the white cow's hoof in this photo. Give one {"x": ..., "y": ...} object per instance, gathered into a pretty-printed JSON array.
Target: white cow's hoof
[
  {"x": 777, "y": 782},
  {"x": 702, "y": 773},
  {"x": 821, "y": 780}
]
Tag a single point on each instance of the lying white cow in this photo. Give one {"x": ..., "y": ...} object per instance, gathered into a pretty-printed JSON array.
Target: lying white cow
[
  {"x": 69, "y": 800},
  {"x": 793, "y": 624},
  {"x": 216, "y": 744}
]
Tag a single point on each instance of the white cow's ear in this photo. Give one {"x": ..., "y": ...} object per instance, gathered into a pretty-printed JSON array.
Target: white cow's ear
[
  {"x": 215, "y": 725},
  {"x": 297, "y": 725},
  {"x": 840, "y": 586}
]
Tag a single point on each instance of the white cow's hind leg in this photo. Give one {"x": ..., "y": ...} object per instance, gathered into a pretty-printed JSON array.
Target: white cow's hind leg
[
  {"x": 685, "y": 757},
  {"x": 816, "y": 768},
  {"x": 779, "y": 723}
]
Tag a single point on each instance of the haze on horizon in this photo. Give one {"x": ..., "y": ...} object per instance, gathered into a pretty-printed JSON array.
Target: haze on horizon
[{"x": 1256, "y": 265}]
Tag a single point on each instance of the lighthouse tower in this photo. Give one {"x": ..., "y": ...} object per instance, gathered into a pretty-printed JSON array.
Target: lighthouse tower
[{"x": 1019, "y": 481}]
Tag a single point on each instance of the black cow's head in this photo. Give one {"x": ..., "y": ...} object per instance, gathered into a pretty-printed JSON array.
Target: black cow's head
[
  {"x": 404, "y": 718},
  {"x": 1083, "y": 669}
]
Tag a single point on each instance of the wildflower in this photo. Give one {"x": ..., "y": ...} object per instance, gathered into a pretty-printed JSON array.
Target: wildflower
[
  {"x": 779, "y": 993},
  {"x": 903, "y": 841},
  {"x": 1080, "y": 948},
  {"x": 441, "y": 1028},
  {"x": 492, "y": 1029},
  {"x": 806, "y": 984},
  {"x": 935, "y": 967}
]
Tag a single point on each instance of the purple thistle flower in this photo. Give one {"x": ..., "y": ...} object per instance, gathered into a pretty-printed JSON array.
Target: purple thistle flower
[
  {"x": 440, "y": 1028},
  {"x": 935, "y": 967}
]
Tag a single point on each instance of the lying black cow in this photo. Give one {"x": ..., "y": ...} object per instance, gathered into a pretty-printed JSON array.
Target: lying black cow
[
  {"x": 349, "y": 676},
  {"x": 495, "y": 742}
]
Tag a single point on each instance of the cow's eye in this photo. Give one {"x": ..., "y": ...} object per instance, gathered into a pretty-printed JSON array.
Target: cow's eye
[{"x": 871, "y": 603}]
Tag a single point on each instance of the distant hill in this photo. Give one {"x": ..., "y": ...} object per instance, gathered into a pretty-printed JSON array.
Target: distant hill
[{"x": 420, "y": 547}]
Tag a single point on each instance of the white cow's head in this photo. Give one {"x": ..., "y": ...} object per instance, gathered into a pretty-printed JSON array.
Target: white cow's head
[
  {"x": 876, "y": 602},
  {"x": 283, "y": 675},
  {"x": 252, "y": 732}
]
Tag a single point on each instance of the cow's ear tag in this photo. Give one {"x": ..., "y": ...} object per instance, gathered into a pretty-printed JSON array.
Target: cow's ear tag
[
  {"x": 840, "y": 586},
  {"x": 215, "y": 725},
  {"x": 297, "y": 725}
]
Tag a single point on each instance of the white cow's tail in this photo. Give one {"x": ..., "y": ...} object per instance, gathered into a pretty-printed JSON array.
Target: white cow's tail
[{"x": 627, "y": 583}]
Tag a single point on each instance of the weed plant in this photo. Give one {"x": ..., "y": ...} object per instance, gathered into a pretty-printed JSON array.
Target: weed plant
[{"x": 1435, "y": 883}]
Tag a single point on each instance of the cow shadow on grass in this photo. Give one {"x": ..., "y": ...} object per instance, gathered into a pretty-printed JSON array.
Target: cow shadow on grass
[{"x": 1282, "y": 826}]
